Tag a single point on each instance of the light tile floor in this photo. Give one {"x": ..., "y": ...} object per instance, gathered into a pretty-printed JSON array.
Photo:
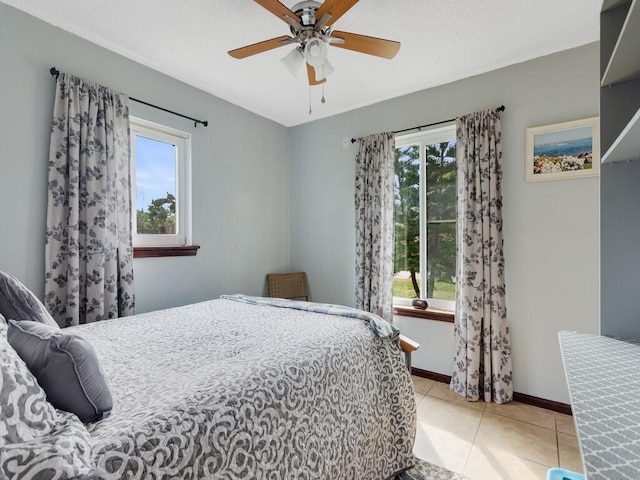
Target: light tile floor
[{"x": 488, "y": 441}]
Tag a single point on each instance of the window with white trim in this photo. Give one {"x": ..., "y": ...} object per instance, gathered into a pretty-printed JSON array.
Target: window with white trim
[
  {"x": 161, "y": 185},
  {"x": 425, "y": 218}
]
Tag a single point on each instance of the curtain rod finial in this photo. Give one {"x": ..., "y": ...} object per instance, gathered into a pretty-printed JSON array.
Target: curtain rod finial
[{"x": 54, "y": 72}]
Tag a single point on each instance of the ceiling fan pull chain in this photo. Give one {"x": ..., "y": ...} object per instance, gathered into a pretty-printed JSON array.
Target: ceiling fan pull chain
[{"x": 323, "y": 99}]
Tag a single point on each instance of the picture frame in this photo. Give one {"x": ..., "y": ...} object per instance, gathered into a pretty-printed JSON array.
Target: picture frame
[{"x": 563, "y": 150}]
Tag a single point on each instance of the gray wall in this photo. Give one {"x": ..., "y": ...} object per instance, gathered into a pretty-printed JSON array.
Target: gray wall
[
  {"x": 551, "y": 228},
  {"x": 240, "y": 167}
]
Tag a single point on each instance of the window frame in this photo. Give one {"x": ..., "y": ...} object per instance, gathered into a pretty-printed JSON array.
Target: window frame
[
  {"x": 182, "y": 142},
  {"x": 446, "y": 133}
]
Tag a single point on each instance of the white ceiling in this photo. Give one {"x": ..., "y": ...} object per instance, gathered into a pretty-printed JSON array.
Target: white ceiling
[{"x": 442, "y": 41}]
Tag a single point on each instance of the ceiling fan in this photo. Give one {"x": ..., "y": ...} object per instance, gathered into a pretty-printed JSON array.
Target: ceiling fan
[{"x": 310, "y": 24}]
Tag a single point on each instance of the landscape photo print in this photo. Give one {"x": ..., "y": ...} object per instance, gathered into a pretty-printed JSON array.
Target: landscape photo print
[{"x": 563, "y": 150}]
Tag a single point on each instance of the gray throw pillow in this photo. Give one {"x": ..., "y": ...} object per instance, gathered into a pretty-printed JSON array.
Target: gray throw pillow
[
  {"x": 66, "y": 366},
  {"x": 19, "y": 303}
]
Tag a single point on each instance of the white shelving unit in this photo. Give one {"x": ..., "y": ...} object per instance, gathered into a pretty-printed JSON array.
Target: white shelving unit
[
  {"x": 620, "y": 172},
  {"x": 620, "y": 94},
  {"x": 623, "y": 63},
  {"x": 626, "y": 146}
]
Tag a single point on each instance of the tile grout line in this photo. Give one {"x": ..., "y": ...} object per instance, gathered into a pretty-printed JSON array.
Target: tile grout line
[
  {"x": 528, "y": 459},
  {"x": 502, "y": 415},
  {"x": 473, "y": 442}
]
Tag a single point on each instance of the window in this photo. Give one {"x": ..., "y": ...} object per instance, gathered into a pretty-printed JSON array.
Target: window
[
  {"x": 425, "y": 218},
  {"x": 160, "y": 182}
]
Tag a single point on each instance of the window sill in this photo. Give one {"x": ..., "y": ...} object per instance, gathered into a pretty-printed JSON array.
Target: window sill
[
  {"x": 169, "y": 251},
  {"x": 428, "y": 314}
]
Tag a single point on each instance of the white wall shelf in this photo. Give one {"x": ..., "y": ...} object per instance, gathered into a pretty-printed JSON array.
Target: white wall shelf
[
  {"x": 624, "y": 62},
  {"x": 627, "y": 145},
  {"x": 609, "y": 4}
]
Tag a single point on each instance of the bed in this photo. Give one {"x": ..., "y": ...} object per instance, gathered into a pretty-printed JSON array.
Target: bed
[{"x": 246, "y": 387}]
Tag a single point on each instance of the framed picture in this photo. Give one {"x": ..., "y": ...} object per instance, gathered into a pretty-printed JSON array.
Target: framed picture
[{"x": 563, "y": 150}]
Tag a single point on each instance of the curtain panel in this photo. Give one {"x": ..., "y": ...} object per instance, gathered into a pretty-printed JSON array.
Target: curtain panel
[
  {"x": 374, "y": 190},
  {"x": 482, "y": 363},
  {"x": 88, "y": 249}
]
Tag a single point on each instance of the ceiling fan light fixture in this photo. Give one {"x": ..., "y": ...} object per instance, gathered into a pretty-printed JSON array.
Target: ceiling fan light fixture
[
  {"x": 315, "y": 52},
  {"x": 324, "y": 70},
  {"x": 294, "y": 61},
  {"x": 311, "y": 25}
]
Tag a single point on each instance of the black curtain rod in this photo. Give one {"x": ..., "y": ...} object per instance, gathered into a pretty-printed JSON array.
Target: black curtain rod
[
  {"x": 55, "y": 72},
  {"x": 498, "y": 109}
]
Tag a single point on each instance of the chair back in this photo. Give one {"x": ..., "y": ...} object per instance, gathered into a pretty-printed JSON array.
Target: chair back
[{"x": 288, "y": 285}]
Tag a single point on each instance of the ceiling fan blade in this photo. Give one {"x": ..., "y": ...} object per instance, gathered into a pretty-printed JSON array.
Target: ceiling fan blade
[
  {"x": 244, "y": 52},
  {"x": 336, "y": 8},
  {"x": 369, "y": 45},
  {"x": 278, "y": 9},
  {"x": 311, "y": 73}
]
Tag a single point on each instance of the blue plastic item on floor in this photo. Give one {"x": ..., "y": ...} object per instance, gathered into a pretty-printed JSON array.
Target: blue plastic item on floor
[{"x": 562, "y": 474}]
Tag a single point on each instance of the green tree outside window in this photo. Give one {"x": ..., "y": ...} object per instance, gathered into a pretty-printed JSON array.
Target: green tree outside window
[
  {"x": 160, "y": 216},
  {"x": 440, "y": 219}
]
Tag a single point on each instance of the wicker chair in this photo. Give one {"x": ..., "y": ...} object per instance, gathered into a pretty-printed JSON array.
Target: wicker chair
[{"x": 288, "y": 285}]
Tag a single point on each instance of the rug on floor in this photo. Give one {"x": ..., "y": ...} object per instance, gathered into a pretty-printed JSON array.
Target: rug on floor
[{"x": 427, "y": 471}]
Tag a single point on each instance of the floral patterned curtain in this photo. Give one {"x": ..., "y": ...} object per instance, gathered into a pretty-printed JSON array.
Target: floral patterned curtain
[
  {"x": 88, "y": 250},
  {"x": 482, "y": 364},
  {"x": 374, "y": 224}
]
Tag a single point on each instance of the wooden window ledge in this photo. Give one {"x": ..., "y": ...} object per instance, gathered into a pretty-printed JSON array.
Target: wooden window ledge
[
  {"x": 428, "y": 314},
  {"x": 169, "y": 251}
]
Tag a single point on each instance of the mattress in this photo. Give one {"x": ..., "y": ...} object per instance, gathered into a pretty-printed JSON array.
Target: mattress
[{"x": 238, "y": 388}]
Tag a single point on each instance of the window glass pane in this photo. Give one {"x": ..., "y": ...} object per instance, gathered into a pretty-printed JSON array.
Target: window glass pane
[
  {"x": 406, "y": 280},
  {"x": 441, "y": 216},
  {"x": 155, "y": 186},
  {"x": 441, "y": 260},
  {"x": 441, "y": 181},
  {"x": 425, "y": 218}
]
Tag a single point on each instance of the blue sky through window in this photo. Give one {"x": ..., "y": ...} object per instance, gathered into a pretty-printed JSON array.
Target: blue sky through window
[{"x": 155, "y": 170}]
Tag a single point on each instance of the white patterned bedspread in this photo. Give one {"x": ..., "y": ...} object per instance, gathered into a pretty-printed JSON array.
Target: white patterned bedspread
[{"x": 229, "y": 390}]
